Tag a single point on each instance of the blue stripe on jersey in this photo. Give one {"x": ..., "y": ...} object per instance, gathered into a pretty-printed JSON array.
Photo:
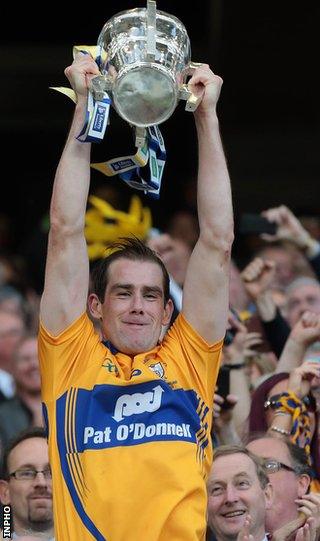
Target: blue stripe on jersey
[{"x": 64, "y": 422}]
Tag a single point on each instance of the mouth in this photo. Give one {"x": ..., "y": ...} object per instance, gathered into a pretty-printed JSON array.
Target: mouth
[
  {"x": 135, "y": 324},
  {"x": 37, "y": 498},
  {"x": 233, "y": 514}
]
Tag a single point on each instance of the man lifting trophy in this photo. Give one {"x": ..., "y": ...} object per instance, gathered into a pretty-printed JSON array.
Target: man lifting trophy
[{"x": 128, "y": 404}]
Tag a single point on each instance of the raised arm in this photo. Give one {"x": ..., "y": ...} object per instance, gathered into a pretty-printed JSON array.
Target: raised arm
[
  {"x": 205, "y": 293},
  {"x": 67, "y": 267}
]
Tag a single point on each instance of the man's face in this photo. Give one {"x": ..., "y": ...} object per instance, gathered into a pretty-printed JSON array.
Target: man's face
[
  {"x": 234, "y": 492},
  {"x": 287, "y": 486},
  {"x": 302, "y": 298},
  {"x": 11, "y": 330},
  {"x": 284, "y": 268},
  {"x": 26, "y": 366},
  {"x": 133, "y": 310},
  {"x": 30, "y": 500}
]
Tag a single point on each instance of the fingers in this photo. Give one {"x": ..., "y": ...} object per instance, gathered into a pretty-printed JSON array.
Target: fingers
[
  {"x": 244, "y": 534},
  {"x": 277, "y": 214},
  {"x": 310, "y": 505},
  {"x": 205, "y": 84},
  {"x": 308, "y": 368},
  {"x": 256, "y": 268},
  {"x": 234, "y": 322},
  {"x": 308, "y": 532},
  {"x": 232, "y": 399},
  {"x": 252, "y": 339},
  {"x": 310, "y": 319},
  {"x": 203, "y": 75},
  {"x": 81, "y": 71},
  {"x": 217, "y": 402}
]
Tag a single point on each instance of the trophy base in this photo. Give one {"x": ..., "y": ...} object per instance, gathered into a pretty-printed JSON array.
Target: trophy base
[{"x": 145, "y": 95}]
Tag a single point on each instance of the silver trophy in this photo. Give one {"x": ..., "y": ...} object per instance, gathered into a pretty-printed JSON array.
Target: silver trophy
[{"x": 145, "y": 62}]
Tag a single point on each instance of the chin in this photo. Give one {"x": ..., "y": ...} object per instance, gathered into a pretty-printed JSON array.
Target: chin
[{"x": 134, "y": 349}]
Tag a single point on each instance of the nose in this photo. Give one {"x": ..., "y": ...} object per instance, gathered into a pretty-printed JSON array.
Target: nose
[
  {"x": 231, "y": 494},
  {"x": 137, "y": 304},
  {"x": 40, "y": 480}
]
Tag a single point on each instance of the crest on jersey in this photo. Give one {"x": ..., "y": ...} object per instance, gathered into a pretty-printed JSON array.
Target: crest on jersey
[{"x": 158, "y": 369}]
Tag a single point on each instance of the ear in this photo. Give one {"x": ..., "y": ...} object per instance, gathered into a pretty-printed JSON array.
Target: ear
[
  {"x": 303, "y": 484},
  {"x": 268, "y": 493},
  {"x": 168, "y": 309},
  {"x": 4, "y": 492},
  {"x": 94, "y": 306}
]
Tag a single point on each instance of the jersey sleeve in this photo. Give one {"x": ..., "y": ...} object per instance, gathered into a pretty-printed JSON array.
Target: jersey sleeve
[
  {"x": 196, "y": 362},
  {"x": 65, "y": 357}
]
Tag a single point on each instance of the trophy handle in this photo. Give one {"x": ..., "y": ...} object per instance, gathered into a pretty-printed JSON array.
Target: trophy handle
[
  {"x": 99, "y": 85},
  {"x": 192, "y": 101}
]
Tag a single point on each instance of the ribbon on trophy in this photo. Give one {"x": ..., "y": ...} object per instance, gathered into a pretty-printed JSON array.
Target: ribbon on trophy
[
  {"x": 144, "y": 60},
  {"x": 149, "y": 141}
]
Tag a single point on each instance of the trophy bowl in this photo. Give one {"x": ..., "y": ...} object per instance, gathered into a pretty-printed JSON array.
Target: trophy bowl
[{"x": 147, "y": 56}]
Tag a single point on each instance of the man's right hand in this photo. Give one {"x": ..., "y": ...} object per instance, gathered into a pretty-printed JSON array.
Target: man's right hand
[
  {"x": 257, "y": 276},
  {"x": 80, "y": 73},
  {"x": 307, "y": 329}
]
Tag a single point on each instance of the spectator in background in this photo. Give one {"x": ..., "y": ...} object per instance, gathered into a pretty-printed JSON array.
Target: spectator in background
[
  {"x": 258, "y": 368},
  {"x": 290, "y": 477},
  {"x": 290, "y": 229},
  {"x": 284, "y": 406},
  {"x": 25, "y": 485},
  {"x": 184, "y": 226},
  {"x": 12, "y": 301},
  {"x": 24, "y": 408},
  {"x": 239, "y": 495},
  {"x": 303, "y": 294},
  {"x": 12, "y": 328},
  {"x": 260, "y": 275},
  {"x": 289, "y": 263}
]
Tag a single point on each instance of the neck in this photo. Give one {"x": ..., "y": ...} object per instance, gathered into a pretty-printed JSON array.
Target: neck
[{"x": 32, "y": 400}]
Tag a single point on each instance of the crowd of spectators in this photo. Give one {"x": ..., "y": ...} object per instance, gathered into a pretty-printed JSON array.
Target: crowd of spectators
[{"x": 268, "y": 392}]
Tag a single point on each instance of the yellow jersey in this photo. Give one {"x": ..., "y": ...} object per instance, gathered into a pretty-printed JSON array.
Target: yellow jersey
[{"x": 129, "y": 437}]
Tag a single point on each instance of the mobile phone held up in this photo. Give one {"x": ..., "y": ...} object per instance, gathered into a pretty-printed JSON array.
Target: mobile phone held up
[
  {"x": 255, "y": 224},
  {"x": 223, "y": 386}
]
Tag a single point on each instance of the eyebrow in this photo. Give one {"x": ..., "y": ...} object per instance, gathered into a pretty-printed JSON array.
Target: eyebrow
[
  {"x": 32, "y": 466},
  {"x": 240, "y": 474},
  {"x": 129, "y": 287}
]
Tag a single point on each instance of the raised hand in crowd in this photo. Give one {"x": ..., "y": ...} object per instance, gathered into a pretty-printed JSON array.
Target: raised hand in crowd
[
  {"x": 234, "y": 357},
  {"x": 257, "y": 277},
  {"x": 243, "y": 343},
  {"x": 225, "y": 432},
  {"x": 289, "y": 228},
  {"x": 309, "y": 504},
  {"x": 295, "y": 531},
  {"x": 305, "y": 332},
  {"x": 301, "y": 377}
]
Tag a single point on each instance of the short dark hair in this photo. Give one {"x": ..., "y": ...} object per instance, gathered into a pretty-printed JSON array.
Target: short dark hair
[
  {"x": 34, "y": 432},
  {"x": 126, "y": 248},
  {"x": 225, "y": 450}
]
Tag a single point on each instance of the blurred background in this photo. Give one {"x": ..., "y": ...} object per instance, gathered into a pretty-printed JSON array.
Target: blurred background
[{"x": 268, "y": 109}]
